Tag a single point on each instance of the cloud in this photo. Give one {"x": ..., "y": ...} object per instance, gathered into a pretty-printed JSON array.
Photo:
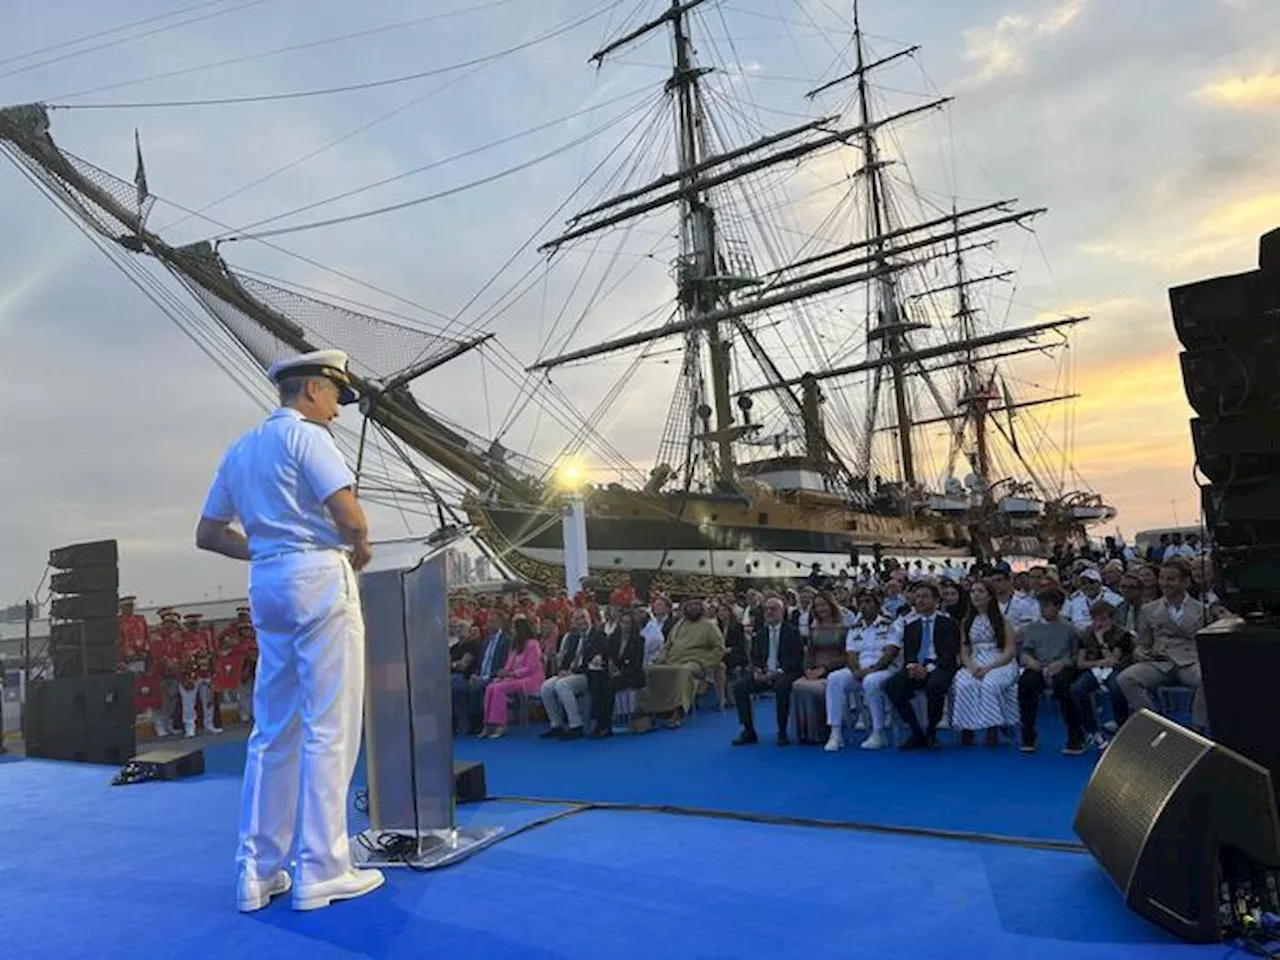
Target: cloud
[
  {"x": 1230, "y": 227},
  {"x": 1258, "y": 92},
  {"x": 1004, "y": 48}
]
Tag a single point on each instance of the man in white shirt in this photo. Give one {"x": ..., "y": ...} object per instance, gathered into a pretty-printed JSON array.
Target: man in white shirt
[
  {"x": 1090, "y": 590},
  {"x": 305, "y": 537}
]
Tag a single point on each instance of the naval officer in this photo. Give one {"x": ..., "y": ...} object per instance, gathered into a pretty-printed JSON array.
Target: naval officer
[{"x": 305, "y": 535}]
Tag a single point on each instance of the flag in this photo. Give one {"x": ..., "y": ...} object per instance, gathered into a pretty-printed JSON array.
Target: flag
[
  {"x": 1008, "y": 407},
  {"x": 140, "y": 175}
]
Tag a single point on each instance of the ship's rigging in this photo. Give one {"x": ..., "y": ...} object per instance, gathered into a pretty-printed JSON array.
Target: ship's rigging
[{"x": 770, "y": 326}]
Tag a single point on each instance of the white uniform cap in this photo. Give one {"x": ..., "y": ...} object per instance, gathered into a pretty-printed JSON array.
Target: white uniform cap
[{"x": 331, "y": 364}]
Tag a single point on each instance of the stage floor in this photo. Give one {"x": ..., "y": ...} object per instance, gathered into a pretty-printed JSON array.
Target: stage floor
[{"x": 146, "y": 871}]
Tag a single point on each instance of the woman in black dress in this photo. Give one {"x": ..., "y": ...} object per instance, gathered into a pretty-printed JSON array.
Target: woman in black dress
[{"x": 614, "y": 663}]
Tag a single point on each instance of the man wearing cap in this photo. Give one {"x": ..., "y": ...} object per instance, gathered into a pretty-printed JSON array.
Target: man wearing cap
[
  {"x": 239, "y": 638},
  {"x": 196, "y": 676},
  {"x": 1090, "y": 590},
  {"x": 165, "y": 662},
  {"x": 131, "y": 638},
  {"x": 305, "y": 535}
]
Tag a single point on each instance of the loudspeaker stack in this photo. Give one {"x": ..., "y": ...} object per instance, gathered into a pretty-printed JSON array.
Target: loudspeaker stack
[
  {"x": 1230, "y": 329},
  {"x": 83, "y": 609}
]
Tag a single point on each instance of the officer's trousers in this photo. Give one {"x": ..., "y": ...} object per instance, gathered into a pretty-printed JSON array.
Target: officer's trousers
[{"x": 307, "y": 706}]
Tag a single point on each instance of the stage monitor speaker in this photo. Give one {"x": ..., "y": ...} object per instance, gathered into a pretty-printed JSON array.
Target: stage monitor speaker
[
  {"x": 100, "y": 553},
  {"x": 1223, "y": 310},
  {"x": 1160, "y": 807},
  {"x": 169, "y": 763},
  {"x": 468, "y": 782},
  {"x": 88, "y": 719},
  {"x": 86, "y": 580}
]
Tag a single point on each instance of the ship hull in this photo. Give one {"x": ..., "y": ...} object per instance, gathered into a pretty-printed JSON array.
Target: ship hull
[{"x": 705, "y": 543}]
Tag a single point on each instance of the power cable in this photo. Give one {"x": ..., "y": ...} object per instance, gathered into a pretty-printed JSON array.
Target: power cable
[
  {"x": 350, "y": 87},
  {"x": 292, "y": 48},
  {"x": 402, "y": 847}
]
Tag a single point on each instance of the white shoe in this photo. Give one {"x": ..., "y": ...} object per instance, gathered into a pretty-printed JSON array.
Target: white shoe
[
  {"x": 191, "y": 731},
  {"x": 355, "y": 883},
  {"x": 876, "y": 741},
  {"x": 215, "y": 729},
  {"x": 861, "y": 724},
  {"x": 835, "y": 742},
  {"x": 254, "y": 894}
]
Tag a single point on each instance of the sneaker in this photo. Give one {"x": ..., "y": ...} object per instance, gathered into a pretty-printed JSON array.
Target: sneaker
[
  {"x": 876, "y": 741},
  {"x": 835, "y": 742},
  {"x": 746, "y": 738},
  {"x": 1028, "y": 743},
  {"x": 354, "y": 883},
  {"x": 573, "y": 733},
  {"x": 254, "y": 894},
  {"x": 552, "y": 734},
  {"x": 1073, "y": 748}
]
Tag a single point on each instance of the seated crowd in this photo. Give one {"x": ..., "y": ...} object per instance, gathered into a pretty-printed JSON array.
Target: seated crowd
[{"x": 974, "y": 649}]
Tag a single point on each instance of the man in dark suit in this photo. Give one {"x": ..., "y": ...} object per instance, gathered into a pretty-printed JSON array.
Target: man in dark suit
[
  {"x": 931, "y": 657},
  {"x": 468, "y": 691},
  {"x": 776, "y": 659}
]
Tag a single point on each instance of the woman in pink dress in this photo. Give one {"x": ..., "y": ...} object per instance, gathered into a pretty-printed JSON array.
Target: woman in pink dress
[{"x": 522, "y": 673}]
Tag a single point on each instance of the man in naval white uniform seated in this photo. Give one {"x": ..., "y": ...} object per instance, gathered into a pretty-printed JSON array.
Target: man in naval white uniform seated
[{"x": 305, "y": 536}]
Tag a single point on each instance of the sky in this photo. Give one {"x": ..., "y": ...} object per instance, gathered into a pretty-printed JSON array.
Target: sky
[{"x": 1150, "y": 139}]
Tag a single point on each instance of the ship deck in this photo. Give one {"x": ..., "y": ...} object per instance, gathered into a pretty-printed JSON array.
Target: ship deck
[{"x": 145, "y": 871}]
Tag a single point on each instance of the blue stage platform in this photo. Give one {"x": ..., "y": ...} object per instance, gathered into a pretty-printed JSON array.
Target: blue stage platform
[{"x": 146, "y": 871}]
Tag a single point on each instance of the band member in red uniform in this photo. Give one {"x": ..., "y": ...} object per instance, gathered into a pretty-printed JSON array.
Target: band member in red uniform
[
  {"x": 247, "y": 638},
  {"x": 625, "y": 596},
  {"x": 196, "y": 675},
  {"x": 166, "y": 662},
  {"x": 132, "y": 641}
]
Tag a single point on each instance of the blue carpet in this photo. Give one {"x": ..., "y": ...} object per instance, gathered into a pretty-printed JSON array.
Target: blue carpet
[
  {"x": 145, "y": 871},
  {"x": 978, "y": 789}
]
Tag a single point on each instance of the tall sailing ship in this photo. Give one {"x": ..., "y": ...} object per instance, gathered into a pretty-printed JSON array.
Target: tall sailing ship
[{"x": 776, "y": 453}]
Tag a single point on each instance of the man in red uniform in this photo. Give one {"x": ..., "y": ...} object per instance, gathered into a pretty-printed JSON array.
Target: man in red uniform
[
  {"x": 165, "y": 662},
  {"x": 624, "y": 598},
  {"x": 196, "y": 675},
  {"x": 132, "y": 642},
  {"x": 239, "y": 639}
]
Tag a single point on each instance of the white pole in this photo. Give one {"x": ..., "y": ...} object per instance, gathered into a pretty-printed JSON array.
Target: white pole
[{"x": 575, "y": 543}]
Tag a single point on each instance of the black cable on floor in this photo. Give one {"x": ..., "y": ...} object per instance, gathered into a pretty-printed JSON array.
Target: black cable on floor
[{"x": 994, "y": 839}]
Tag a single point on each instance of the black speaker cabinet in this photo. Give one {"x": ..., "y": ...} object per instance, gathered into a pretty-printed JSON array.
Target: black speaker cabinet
[
  {"x": 86, "y": 719},
  {"x": 1159, "y": 808},
  {"x": 96, "y": 554},
  {"x": 85, "y": 606},
  {"x": 1239, "y": 661}
]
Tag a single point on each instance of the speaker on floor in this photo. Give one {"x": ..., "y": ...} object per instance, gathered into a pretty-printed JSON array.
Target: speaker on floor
[
  {"x": 468, "y": 782},
  {"x": 89, "y": 719},
  {"x": 168, "y": 763},
  {"x": 1161, "y": 806}
]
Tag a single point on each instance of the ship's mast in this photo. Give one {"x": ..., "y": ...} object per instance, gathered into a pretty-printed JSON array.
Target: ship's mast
[
  {"x": 976, "y": 393},
  {"x": 889, "y": 327},
  {"x": 697, "y": 288}
]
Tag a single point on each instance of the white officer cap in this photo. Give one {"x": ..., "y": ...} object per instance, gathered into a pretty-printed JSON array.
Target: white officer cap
[{"x": 331, "y": 364}]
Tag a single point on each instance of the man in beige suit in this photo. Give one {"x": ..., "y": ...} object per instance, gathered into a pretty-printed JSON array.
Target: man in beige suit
[{"x": 1166, "y": 650}]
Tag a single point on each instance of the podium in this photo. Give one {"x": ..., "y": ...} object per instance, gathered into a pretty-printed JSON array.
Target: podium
[{"x": 408, "y": 726}]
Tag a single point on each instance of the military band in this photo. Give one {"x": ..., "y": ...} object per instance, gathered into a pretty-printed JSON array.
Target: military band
[{"x": 178, "y": 664}]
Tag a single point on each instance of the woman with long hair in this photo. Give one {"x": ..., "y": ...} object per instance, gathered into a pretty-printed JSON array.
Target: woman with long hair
[
  {"x": 983, "y": 690},
  {"x": 954, "y": 602},
  {"x": 824, "y": 655},
  {"x": 522, "y": 673}
]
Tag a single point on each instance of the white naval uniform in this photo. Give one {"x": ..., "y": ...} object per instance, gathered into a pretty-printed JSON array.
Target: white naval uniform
[
  {"x": 309, "y": 690},
  {"x": 868, "y": 642}
]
